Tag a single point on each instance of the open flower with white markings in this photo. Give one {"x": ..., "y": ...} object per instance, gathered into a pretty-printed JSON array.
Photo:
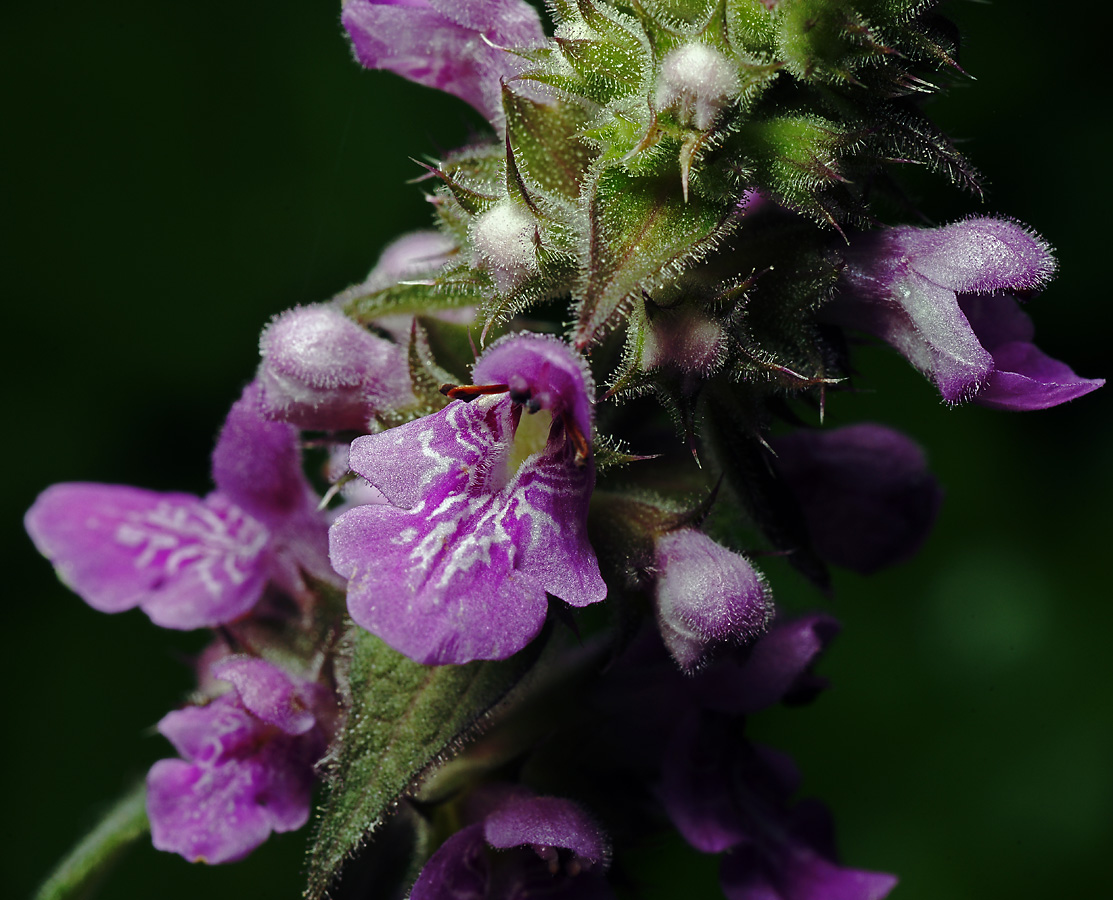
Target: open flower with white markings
[
  {"x": 487, "y": 513},
  {"x": 186, "y": 561},
  {"x": 247, "y": 766}
]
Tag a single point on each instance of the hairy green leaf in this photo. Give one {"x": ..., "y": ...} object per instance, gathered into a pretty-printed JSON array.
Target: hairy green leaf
[
  {"x": 404, "y": 718},
  {"x": 449, "y": 290}
]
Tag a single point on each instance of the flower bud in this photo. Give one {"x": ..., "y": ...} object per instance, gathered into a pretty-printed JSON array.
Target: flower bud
[
  {"x": 506, "y": 239},
  {"x": 416, "y": 253},
  {"x": 686, "y": 339},
  {"x": 865, "y": 490},
  {"x": 706, "y": 596},
  {"x": 698, "y": 81},
  {"x": 321, "y": 370}
]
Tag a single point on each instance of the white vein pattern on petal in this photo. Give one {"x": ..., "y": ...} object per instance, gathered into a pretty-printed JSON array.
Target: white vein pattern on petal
[
  {"x": 214, "y": 539},
  {"x": 483, "y": 518}
]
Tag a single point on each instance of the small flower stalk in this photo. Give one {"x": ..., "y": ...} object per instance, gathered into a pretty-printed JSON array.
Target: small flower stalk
[{"x": 539, "y": 560}]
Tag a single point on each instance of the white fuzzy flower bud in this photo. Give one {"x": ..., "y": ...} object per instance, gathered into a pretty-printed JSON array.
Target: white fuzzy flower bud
[
  {"x": 506, "y": 239},
  {"x": 698, "y": 81},
  {"x": 321, "y": 370}
]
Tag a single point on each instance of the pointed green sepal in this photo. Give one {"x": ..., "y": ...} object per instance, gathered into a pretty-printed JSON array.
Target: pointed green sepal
[
  {"x": 546, "y": 143},
  {"x": 751, "y": 26},
  {"x": 799, "y": 158},
  {"x": 450, "y": 290},
  {"x": 641, "y": 233}
]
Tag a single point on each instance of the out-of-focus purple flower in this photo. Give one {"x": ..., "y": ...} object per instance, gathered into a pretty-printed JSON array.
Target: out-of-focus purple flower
[
  {"x": 910, "y": 286},
  {"x": 1023, "y": 376},
  {"x": 452, "y": 45},
  {"x": 776, "y": 668},
  {"x": 522, "y": 846},
  {"x": 706, "y": 596},
  {"x": 248, "y": 763},
  {"x": 321, "y": 370},
  {"x": 487, "y": 512},
  {"x": 411, "y": 255},
  {"x": 686, "y": 339},
  {"x": 867, "y": 495},
  {"x": 725, "y": 794},
  {"x": 191, "y": 562}
]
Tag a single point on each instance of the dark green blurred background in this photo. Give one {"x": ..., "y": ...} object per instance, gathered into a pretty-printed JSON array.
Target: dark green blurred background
[{"x": 175, "y": 173}]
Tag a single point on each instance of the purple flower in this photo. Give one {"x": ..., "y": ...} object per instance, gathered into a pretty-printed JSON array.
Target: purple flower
[
  {"x": 725, "y": 794},
  {"x": 776, "y": 668},
  {"x": 911, "y": 287},
  {"x": 522, "y": 846},
  {"x": 706, "y": 596},
  {"x": 1023, "y": 376},
  {"x": 487, "y": 511},
  {"x": 411, "y": 255},
  {"x": 321, "y": 370},
  {"x": 247, "y": 767},
  {"x": 446, "y": 44},
  {"x": 867, "y": 495},
  {"x": 191, "y": 562}
]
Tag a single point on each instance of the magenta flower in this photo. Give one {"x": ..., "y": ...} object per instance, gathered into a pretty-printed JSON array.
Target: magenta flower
[
  {"x": 706, "y": 596},
  {"x": 522, "y": 846},
  {"x": 911, "y": 287},
  {"x": 867, "y": 495},
  {"x": 247, "y": 767},
  {"x": 191, "y": 562},
  {"x": 487, "y": 511},
  {"x": 321, "y": 370},
  {"x": 452, "y": 45}
]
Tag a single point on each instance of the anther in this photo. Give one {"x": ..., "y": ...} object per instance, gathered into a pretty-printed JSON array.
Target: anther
[
  {"x": 576, "y": 437},
  {"x": 468, "y": 392}
]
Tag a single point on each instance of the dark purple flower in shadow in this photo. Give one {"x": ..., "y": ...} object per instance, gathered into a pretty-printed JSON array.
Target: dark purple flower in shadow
[
  {"x": 725, "y": 794},
  {"x": 487, "y": 511},
  {"x": 456, "y": 46},
  {"x": 247, "y": 766},
  {"x": 521, "y": 847},
  {"x": 191, "y": 562},
  {"x": 912, "y": 288},
  {"x": 776, "y": 668},
  {"x": 867, "y": 496}
]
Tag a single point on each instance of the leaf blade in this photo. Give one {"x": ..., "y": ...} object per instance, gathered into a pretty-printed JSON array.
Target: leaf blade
[{"x": 405, "y": 717}]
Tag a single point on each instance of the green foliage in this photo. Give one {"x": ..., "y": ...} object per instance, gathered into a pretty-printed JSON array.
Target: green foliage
[
  {"x": 797, "y": 158},
  {"x": 641, "y": 233},
  {"x": 78, "y": 874},
  {"x": 546, "y": 143},
  {"x": 402, "y": 719},
  {"x": 457, "y": 287},
  {"x": 751, "y": 26},
  {"x": 602, "y": 54}
]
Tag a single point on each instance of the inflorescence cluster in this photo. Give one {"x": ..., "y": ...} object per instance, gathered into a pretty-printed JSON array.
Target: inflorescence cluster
[{"x": 586, "y": 387}]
